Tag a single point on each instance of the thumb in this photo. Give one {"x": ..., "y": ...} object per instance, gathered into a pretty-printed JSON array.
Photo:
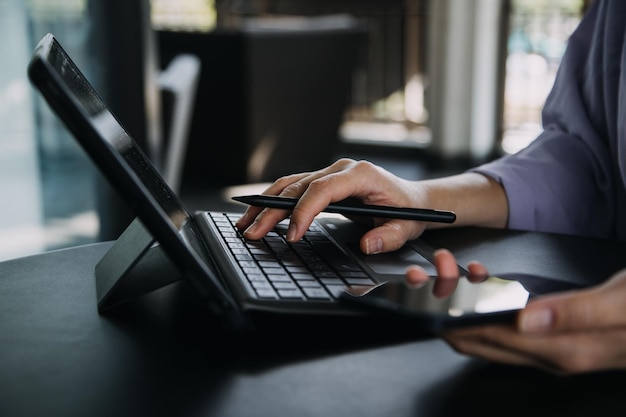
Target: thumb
[
  {"x": 390, "y": 236},
  {"x": 598, "y": 307}
]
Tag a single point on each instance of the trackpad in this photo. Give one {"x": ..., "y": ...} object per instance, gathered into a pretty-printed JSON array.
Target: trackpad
[{"x": 394, "y": 263}]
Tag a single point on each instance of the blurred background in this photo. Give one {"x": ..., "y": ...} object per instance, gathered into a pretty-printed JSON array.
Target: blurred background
[{"x": 269, "y": 87}]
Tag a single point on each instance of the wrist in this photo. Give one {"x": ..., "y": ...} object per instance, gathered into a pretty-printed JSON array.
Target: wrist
[{"x": 476, "y": 199}]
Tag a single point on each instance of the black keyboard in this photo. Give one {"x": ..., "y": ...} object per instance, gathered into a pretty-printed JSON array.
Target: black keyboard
[{"x": 312, "y": 268}]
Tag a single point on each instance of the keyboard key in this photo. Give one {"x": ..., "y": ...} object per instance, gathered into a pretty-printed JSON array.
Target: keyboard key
[
  {"x": 335, "y": 290},
  {"x": 262, "y": 285},
  {"x": 267, "y": 293},
  {"x": 295, "y": 293},
  {"x": 279, "y": 278},
  {"x": 359, "y": 281},
  {"x": 309, "y": 284},
  {"x": 331, "y": 281},
  {"x": 284, "y": 285},
  {"x": 316, "y": 293},
  {"x": 303, "y": 276}
]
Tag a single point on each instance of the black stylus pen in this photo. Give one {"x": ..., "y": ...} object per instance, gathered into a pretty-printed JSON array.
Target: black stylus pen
[{"x": 354, "y": 208}]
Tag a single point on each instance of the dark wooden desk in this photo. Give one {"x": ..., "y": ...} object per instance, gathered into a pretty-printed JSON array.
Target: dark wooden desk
[{"x": 160, "y": 355}]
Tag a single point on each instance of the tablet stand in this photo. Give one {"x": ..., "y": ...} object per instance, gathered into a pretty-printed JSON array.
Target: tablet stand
[{"x": 133, "y": 266}]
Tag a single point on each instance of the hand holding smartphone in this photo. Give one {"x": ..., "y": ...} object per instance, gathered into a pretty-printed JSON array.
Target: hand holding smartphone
[{"x": 495, "y": 300}]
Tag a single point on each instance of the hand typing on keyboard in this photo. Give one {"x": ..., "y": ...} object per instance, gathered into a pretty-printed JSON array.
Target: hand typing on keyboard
[{"x": 371, "y": 184}]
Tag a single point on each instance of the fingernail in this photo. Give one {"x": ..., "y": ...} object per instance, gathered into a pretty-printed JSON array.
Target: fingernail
[
  {"x": 373, "y": 246},
  {"x": 536, "y": 321},
  {"x": 243, "y": 219},
  {"x": 291, "y": 232},
  {"x": 250, "y": 230}
]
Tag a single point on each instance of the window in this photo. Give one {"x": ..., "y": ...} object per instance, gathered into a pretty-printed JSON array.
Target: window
[{"x": 539, "y": 30}]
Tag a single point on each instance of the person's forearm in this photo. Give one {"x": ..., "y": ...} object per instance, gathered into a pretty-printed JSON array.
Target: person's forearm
[{"x": 476, "y": 199}]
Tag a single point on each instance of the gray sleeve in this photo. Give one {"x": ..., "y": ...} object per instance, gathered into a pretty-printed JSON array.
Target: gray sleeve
[
  {"x": 564, "y": 181},
  {"x": 555, "y": 187}
]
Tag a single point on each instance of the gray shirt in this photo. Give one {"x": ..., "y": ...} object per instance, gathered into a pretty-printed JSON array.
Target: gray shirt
[{"x": 572, "y": 178}]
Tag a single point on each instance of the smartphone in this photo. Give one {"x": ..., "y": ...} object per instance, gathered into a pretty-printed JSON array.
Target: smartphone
[{"x": 495, "y": 300}]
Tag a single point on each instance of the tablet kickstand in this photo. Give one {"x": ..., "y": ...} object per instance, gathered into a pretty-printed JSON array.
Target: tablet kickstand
[{"x": 133, "y": 266}]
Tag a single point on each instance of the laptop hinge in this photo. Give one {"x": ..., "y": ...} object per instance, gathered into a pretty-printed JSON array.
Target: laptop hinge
[{"x": 133, "y": 266}]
